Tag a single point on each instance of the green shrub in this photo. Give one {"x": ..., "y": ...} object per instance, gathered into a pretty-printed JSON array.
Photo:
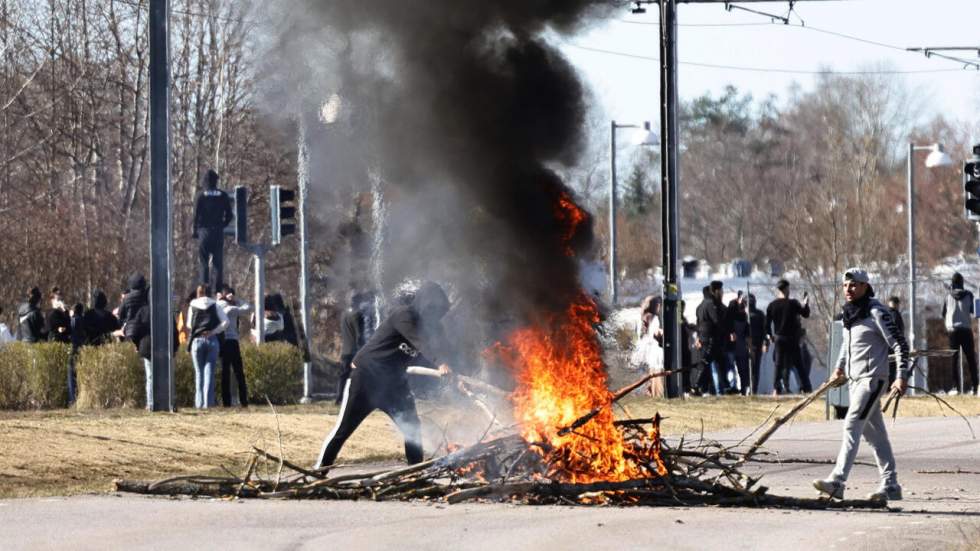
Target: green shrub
[
  {"x": 110, "y": 376},
  {"x": 33, "y": 375},
  {"x": 113, "y": 376},
  {"x": 274, "y": 370}
]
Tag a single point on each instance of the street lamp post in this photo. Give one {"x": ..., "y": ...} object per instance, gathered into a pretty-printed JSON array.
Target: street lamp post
[
  {"x": 647, "y": 138},
  {"x": 937, "y": 158}
]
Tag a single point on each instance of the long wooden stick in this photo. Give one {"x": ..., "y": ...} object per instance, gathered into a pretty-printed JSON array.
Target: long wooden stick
[{"x": 782, "y": 419}]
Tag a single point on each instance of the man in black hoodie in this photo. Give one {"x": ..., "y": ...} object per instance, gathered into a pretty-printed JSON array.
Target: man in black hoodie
[
  {"x": 134, "y": 317},
  {"x": 98, "y": 322},
  {"x": 212, "y": 213},
  {"x": 411, "y": 336},
  {"x": 757, "y": 338},
  {"x": 712, "y": 337},
  {"x": 784, "y": 329},
  {"x": 30, "y": 320}
]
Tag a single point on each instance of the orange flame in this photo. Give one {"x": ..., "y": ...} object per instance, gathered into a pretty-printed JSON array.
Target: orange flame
[{"x": 561, "y": 376}]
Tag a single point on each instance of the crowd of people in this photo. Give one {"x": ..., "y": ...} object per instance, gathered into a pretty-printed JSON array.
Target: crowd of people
[
  {"x": 207, "y": 324},
  {"x": 724, "y": 348}
]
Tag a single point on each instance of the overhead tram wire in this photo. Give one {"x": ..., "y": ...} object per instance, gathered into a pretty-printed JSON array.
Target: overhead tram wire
[{"x": 758, "y": 69}]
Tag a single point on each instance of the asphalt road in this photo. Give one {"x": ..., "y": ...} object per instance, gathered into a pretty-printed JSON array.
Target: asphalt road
[{"x": 941, "y": 510}]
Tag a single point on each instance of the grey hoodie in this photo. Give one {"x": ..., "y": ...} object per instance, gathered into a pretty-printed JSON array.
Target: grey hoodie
[
  {"x": 869, "y": 342},
  {"x": 958, "y": 310}
]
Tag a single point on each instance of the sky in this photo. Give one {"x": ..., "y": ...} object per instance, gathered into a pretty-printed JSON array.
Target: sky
[{"x": 627, "y": 87}]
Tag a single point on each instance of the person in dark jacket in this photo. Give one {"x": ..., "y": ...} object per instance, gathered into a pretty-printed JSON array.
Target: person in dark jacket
[
  {"x": 738, "y": 316},
  {"x": 212, "y": 213},
  {"x": 757, "y": 340},
  {"x": 30, "y": 320},
  {"x": 99, "y": 323},
  {"x": 79, "y": 335},
  {"x": 356, "y": 327},
  {"x": 894, "y": 308},
  {"x": 410, "y": 336},
  {"x": 783, "y": 328},
  {"x": 57, "y": 324},
  {"x": 958, "y": 315},
  {"x": 134, "y": 320},
  {"x": 712, "y": 337},
  {"x": 207, "y": 320}
]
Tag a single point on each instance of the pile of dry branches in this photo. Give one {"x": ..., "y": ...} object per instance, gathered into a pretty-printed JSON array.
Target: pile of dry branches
[{"x": 506, "y": 467}]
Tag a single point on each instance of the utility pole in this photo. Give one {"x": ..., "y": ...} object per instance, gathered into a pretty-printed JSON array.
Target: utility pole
[
  {"x": 161, "y": 218},
  {"x": 669, "y": 169}
]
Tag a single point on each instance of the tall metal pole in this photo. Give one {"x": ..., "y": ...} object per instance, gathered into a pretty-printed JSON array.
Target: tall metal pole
[
  {"x": 669, "y": 172},
  {"x": 303, "y": 172},
  {"x": 911, "y": 245},
  {"x": 161, "y": 233},
  {"x": 613, "y": 291}
]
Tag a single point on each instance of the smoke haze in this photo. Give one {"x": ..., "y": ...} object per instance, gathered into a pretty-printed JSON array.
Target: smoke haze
[{"x": 460, "y": 112}]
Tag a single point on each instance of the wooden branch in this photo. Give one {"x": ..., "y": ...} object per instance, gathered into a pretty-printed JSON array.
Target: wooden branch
[
  {"x": 781, "y": 420},
  {"x": 617, "y": 396}
]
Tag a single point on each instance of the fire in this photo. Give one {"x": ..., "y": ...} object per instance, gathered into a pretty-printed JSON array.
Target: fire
[{"x": 561, "y": 376}]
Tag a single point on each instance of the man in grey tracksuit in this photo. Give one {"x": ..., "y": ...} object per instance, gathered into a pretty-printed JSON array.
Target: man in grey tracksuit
[{"x": 870, "y": 336}]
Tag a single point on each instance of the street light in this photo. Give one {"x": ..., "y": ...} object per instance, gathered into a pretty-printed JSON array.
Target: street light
[
  {"x": 646, "y": 137},
  {"x": 937, "y": 158}
]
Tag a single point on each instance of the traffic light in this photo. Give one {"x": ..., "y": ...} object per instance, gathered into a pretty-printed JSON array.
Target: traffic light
[
  {"x": 971, "y": 185},
  {"x": 241, "y": 215},
  {"x": 281, "y": 205}
]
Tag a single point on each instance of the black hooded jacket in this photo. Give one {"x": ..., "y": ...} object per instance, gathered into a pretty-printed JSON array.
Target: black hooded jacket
[
  {"x": 712, "y": 322},
  {"x": 411, "y": 335},
  {"x": 58, "y": 326},
  {"x": 30, "y": 323},
  {"x": 134, "y": 314},
  {"x": 98, "y": 322},
  {"x": 212, "y": 209}
]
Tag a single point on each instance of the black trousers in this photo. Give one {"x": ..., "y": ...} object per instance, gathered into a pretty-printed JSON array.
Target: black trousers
[
  {"x": 211, "y": 249},
  {"x": 961, "y": 340},
  {"x": 742, "y": 364},
  {"x": 345, "y": 371},
  {"x": 786, "y": 354},
  {"x": 231, "y": 359},
  {"x": 365, "y": 393},
  {"x": 755, "y": 354}
]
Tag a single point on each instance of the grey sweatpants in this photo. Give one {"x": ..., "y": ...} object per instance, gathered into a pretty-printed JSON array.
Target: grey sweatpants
[{"x": 864, "y": 417}]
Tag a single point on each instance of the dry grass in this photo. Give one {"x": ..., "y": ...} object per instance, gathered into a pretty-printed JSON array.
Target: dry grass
[{"x": 69, "y": 452}]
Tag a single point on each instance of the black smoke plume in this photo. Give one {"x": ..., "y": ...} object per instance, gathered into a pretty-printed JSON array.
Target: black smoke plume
[{"x": 467, "y": 112}]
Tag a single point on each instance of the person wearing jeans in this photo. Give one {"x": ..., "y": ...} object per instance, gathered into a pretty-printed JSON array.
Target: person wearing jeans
[{"x": 206, "y": 320}]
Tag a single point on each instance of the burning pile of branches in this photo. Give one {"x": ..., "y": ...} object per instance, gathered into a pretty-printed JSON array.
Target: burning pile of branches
[{"x": 511, "y": 468}]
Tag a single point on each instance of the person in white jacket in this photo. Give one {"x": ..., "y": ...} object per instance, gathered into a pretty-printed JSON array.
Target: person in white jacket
[
  {"x": 870, "y": 337},
  {"x": 207, "y": 320}
]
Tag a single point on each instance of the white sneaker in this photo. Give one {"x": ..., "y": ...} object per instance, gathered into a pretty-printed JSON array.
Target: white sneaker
[
  {"x": 889, "y": 492},
  {"x": 830, "y": 488}
]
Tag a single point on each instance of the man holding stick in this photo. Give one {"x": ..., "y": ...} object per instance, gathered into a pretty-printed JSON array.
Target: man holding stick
[
  {"x": 870, "y": 336},
  {"x": 411, "y": 336}
]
